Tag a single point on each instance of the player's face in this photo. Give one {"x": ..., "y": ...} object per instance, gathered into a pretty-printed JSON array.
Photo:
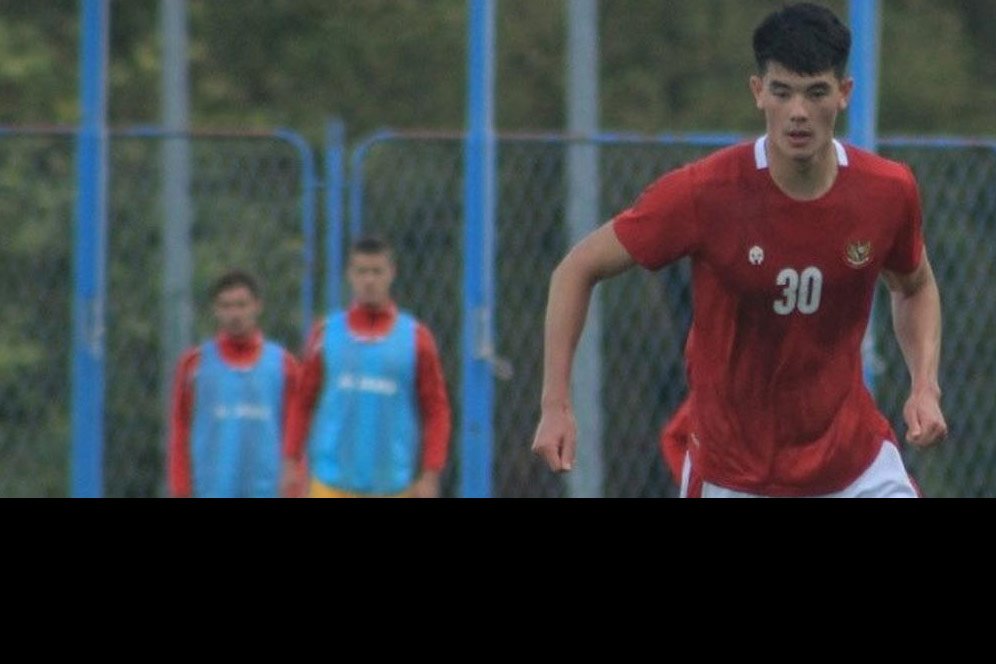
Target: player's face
[
  {"x": 236, "y": 311},
  {"x": 800, "y": 110},
  {"x": 370, "y": 277}
]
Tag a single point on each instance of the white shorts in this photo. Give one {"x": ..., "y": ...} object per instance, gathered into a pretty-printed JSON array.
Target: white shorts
[{"x": 886, "y": 477}]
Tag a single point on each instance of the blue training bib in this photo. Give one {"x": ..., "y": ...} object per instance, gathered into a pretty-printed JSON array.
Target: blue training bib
[{"x": 365, "y": 432}]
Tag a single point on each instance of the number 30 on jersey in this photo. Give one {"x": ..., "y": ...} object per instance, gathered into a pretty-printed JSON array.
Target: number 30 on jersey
[{"x": 801, "y": 291}]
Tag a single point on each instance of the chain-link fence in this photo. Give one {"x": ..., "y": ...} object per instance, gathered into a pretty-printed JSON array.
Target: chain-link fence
[
  {"x": 958, "y": 190},
  {"x": 409, "y": 187},
  {"x": 252, "y": 204},
  {"x": 36, "y": 222}
]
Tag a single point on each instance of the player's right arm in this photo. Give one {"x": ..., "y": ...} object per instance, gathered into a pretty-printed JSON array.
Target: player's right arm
[
  {"x": 598, "y": 256},
  {"x": 301, "y": 407},
  {"x": 181, "y": 414}
]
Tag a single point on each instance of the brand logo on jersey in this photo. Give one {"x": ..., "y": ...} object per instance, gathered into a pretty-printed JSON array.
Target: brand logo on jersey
[
  {"x": 242, "y": 411},
  {"x": 372, "y": 384},
  {"x": 858, "y": 254},
  {"x": 755, "y": 255}
]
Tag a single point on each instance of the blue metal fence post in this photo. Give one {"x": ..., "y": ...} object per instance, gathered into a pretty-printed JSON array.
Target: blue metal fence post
[
  {"x": 89, "y": 255},
  {"x": 863, "y": 110},
  {"x": 309, "y": 212},
  {"x": 335, "y": 189},
  {"x": 862, "y": 123},
  {"x": 477, "y": 388}
]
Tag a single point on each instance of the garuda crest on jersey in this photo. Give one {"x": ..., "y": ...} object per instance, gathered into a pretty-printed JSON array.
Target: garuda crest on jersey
[{"x": 858, "y": 254}]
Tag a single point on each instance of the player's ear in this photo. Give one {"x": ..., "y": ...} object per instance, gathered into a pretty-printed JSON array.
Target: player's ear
[
  {"x": 846, "y": 88},
  {"x": 756, "y": 88}
]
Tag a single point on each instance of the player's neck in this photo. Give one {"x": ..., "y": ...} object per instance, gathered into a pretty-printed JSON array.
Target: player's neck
[
  {"x": 803, "y": 179},
  {"x": 245, "y": 340},
  {"x": 382, "y": 307}
]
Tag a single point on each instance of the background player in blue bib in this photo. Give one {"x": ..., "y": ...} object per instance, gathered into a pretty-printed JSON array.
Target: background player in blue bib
[
  {"x": 230, "y": 403},
  {"x": 372, "y": 415}
]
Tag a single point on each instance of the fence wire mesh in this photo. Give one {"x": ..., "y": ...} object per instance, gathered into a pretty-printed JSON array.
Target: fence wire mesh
[
  {"x": 245, "y": 195},
  {"x": 36, "y": 218},
  {"x": 958, "y": 192},
  {"x": 248, "y": 195},
  {"x": 409, "y": 187}
]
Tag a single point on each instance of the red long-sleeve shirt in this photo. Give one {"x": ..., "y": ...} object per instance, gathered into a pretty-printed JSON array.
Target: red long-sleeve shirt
[
  {"x": 430, "y": 385},
  {"x": 237, "y": 353}
]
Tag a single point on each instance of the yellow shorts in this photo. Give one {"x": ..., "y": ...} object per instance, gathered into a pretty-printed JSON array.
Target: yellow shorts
[{"x": 319, "y": 490}]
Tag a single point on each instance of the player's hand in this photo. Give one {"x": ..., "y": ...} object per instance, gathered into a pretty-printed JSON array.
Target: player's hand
[
  {"x": 293, "y": 480},
  {"x": 427, "y": 486},
  {"x": 925, "y": 423},
  {"x": 556, "y": 438}
]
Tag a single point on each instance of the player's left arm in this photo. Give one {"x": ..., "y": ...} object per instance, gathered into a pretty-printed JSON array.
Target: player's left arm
[
  {"x": 916, "y": 320},
  {"x": 434, "y": 412}
]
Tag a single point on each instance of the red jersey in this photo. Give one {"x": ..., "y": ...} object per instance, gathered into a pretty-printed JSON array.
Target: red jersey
[
  {"x": 674, "y": 441},
  {"x": 782, "y": 292}
]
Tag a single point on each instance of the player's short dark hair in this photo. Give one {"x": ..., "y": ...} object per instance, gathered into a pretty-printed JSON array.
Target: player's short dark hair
[
  {"x": 371, "y": 245},
  {"x": 235, "y": 279},
  {"x": 804, "y": 38}
]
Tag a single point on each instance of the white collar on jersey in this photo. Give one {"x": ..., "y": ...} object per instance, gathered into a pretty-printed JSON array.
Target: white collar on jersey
[{"x": 761, "y": 156}]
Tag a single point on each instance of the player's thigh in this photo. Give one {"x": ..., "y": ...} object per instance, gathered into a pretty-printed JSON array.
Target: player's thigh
[{"x": 886, "y": 477}]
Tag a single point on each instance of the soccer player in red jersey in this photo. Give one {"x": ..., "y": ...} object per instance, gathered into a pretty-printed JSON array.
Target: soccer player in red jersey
[{"x": 787, "y": 237}]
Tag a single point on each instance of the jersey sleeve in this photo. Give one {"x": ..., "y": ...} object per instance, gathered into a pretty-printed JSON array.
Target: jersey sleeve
[
  {"x": 433, "y": 402},
  {"x": 292, "y": 376},
  {"x": 308, "y": 385},
  {"x": 181, "y": 414},
  {"x": 908, "y": 247},
  {"x": 661, "y": 226}
]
